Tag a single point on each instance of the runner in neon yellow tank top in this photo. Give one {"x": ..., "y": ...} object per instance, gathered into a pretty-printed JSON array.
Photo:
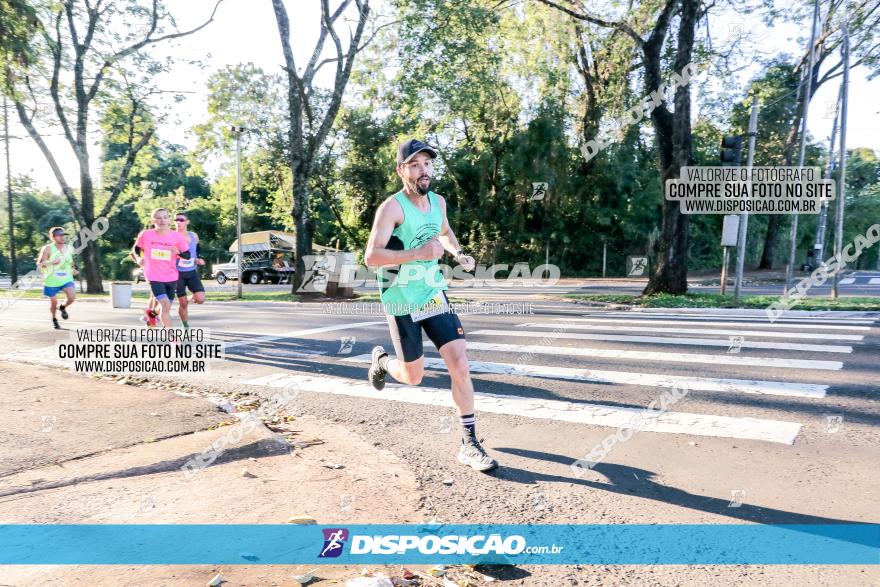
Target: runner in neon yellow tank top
[
  {"x": 410, "y": 232},
  {"x": 55, "y": 260}
]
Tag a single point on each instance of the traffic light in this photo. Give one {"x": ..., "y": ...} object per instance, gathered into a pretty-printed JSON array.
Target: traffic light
[{"x": 731, "y": 151}]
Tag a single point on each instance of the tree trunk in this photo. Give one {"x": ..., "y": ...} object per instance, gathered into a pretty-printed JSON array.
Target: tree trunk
[
  {"x": 771, "y": 242},
  {"x": 774, "y": 225},
  {"x": 673, "y": 131},
  {"x": 91, "y": 255},
  {"x": 592, "y": 114},
  {"x": 302, "y": 223}
]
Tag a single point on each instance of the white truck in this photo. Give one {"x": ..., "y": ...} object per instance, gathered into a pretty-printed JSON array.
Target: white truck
[{"x": 269, "y": 256}]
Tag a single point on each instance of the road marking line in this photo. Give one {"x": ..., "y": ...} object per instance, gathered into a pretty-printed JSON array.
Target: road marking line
[
  {"x": 874, "y": 281},
  {"x": 847, "y": 281},
  {"x": 728, "y": 332},
  {"x": 811, "y": 390},
  {"x": 762, "y": 316},
  {"x": 719, "y": 359},
  {"x": 578, "y": 413},
  {"x": 788, "y": 346},
  {"x": 617, "y": 324},
  {"x": 300, "y": 333}
]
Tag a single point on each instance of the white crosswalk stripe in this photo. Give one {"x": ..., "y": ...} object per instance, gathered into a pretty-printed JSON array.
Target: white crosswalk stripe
[
  {"x": 811, "y": 320},
  {"x": 590, "y": 336},
  {"x": 790, "y": 346},
  {"x": 765, "y": 324},
  {"x": 643, "y": 356},
  {"x": 626, "y": 378},
  {"x": 580, "y": 413},
  {"x": 722, "y": 331}
]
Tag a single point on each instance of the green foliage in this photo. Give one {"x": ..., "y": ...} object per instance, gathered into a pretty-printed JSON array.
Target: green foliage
[
  {"x": 862, "y": 208},
  {"x": 35, "y": 213},
  {"x": 702, "y": 300},
  {"x": 18, "y": 24},
  {"x": 499, "y": 88}
]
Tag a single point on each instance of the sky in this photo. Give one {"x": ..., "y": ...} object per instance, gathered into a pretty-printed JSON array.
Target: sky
[{"x": 246, "y": 31}]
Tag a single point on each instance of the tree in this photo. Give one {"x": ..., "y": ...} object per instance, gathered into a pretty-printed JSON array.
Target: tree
[
  {"x": 313, "y": 112},
  {"x": 81, "y": 61},
  {"x": 35, "y": 212},
  {"x": 863, "y": 19},
  {"x": 862, "y": 200},
  {"x": 245, "y": 96},
  {"x": 18, "y": 25},
  {"x": 672, "y": 129}
]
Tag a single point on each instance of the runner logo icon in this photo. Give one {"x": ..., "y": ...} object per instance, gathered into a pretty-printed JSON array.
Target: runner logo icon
[{"x": 334, "y": 540}]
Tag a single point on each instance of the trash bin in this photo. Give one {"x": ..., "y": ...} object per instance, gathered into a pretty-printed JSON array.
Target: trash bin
[{"x": 120, "y": 294}]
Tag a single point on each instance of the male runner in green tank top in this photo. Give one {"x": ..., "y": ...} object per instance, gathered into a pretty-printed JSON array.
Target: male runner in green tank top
[
  {"x": 410, "y": 232},
  {"x": 56, "y": 262}
]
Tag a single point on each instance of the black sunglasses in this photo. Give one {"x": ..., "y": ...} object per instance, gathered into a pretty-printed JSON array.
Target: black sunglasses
[{"x": 180, "y": 220}]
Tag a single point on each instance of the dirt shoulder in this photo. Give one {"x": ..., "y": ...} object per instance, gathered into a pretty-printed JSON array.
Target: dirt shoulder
[{"x": 84, "y": 450}]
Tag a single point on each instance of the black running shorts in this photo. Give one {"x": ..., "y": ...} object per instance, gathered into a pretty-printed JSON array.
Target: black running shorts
[
  {"x": 191, "y": 280},
  {"x": 163, "y": 290},
  {"x": 407, "y": 335}
]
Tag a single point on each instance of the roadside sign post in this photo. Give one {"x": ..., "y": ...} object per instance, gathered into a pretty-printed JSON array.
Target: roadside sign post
[{"x": 729, "y": 233}]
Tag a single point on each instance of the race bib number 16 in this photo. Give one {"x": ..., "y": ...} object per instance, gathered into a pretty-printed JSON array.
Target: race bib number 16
[{"x": 160, "y": 254}]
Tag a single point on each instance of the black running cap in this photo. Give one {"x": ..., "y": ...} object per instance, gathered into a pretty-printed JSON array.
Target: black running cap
[{"x": 411, "y": 148}]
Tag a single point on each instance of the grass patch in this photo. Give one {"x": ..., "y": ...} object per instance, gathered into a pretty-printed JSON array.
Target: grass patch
[
  {"x": 255, "y": 296},
  {"x": 246, "y": 296},
  {"x": 705, "y": 300}
]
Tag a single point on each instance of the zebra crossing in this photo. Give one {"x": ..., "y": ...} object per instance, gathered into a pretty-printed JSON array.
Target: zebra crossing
[
  {"x": 590, "y": 348},
  {"x": 861, "y": 278}
]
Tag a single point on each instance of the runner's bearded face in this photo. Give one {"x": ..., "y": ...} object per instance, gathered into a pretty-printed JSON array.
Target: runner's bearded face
[{"x": 416, "y": 174}]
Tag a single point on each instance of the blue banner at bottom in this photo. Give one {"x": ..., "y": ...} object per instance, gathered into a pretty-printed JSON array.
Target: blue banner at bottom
[{"x": 665, "y": 544}]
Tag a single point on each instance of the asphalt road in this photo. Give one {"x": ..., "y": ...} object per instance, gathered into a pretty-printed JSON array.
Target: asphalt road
[
  {"x": 779, "y": 423},
  {"x": 853, "y": 283}
]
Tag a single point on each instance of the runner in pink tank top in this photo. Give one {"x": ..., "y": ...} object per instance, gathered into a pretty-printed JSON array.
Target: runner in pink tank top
[{"x": 157, "y": 251}]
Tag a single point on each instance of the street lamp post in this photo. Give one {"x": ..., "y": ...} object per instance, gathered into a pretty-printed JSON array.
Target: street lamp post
[
  {"x": 743, "y": 230},
  {"x": 807, "y": 96},
  {"x": 236, "y": 130},
  {"x": 841, "y": 188},
  {"x": 13, "y": 270}
]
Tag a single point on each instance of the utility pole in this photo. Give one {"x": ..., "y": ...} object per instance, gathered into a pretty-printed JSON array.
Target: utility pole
[
  {"x": 13, "y": 271},
  {"x": 744, "y": 217},
  {"x": 841, "y": 190},
  {"x": 819, "y": 247},
  {"x": 807, "y": 95},
  {"x": 236, "y": 130},
  {"x": 604, "y": 256}
]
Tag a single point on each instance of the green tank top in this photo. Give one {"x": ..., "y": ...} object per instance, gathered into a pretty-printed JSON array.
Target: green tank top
[
  {"x": 58, "y": 275},
  {"x": 405, "y": 288}
]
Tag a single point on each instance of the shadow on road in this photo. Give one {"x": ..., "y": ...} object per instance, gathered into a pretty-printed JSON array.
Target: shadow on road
[
  {"x": 639, "y": 482},
  {"x": 261, "y": 448}
]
